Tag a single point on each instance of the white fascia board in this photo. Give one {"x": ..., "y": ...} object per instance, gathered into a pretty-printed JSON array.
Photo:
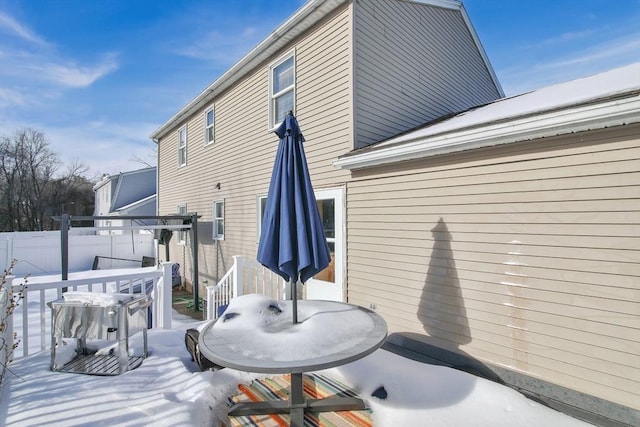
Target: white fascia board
[
  {"x": 483, "y": 53},
  {"x": 446, "y": 4},
  {"x": 553, "y": 123}
]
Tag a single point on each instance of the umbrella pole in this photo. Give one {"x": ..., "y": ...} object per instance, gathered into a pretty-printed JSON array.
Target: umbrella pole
[{"x": 294, "y": 298}]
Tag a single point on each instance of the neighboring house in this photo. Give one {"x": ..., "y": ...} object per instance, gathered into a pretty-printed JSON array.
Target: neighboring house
[
  {"x": 499, "y": 253},
  {"x": 125, "y": 194}
]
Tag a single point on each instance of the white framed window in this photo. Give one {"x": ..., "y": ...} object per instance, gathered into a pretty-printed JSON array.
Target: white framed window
[
  {"x": 182, "y": 235},
  {"x": 209, "y": 128},
  {"x": 261, "y": 205},
  {"x": 182, "y": 146},
  {"x": 218, "y": 220},
  {"x": 282, "y": 88}
]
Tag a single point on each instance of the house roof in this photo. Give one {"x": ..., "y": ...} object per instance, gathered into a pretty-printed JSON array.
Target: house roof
[
  {"x": 128, "y": 188},
  {"x": 137, "y": 204},
  {"x": 608, "y": 99},
  {"x": 304, "y": 18}
]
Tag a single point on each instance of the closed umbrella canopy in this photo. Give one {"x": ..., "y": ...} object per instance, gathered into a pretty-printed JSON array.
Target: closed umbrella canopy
[{"x": 292, "y": 243}]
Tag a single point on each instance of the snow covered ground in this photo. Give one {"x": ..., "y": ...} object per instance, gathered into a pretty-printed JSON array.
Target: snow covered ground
[{"x": 169, "y": 390}]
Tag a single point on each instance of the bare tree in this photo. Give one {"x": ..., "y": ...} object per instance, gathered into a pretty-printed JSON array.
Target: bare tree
[
  {"x": 31, "y": 189},
  {"x": 152, "y": 156}
]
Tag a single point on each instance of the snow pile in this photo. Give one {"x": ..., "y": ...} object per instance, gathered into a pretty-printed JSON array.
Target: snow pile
[{"x": 263, "y": 328}]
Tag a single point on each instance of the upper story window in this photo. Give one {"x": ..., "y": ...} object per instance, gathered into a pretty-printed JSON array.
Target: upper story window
[
  {"x": 282, "y": 89},
  {"x": 182, "y": 146},
  {"x": 209, "y": 119}
]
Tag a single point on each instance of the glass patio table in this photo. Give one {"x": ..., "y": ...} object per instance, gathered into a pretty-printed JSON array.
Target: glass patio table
[{"x": 282, "y": 347}]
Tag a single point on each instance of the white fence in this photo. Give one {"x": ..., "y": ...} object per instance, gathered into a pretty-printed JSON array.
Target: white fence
[
  {"x": 245, "y": 276},
  {"x": 32, "y": 318},
  {"x": 39, "y": 252}
]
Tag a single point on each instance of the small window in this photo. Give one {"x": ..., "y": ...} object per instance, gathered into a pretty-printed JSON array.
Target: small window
[
  {"x": 282, "y": 89},
  {"x": 182, "y": 146},
  {"x": 182, "y": 235},
  {"x": 209, "y": 118},
  {"x": 218, "y": 220}
]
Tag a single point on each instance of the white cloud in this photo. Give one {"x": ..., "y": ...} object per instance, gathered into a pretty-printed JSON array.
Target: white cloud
[
  {"x": 41, "y": 63},
  {"x": 73, "y": 75},
  {"x": 103, "y": 147},
  {"x": 564, "y": 66},
  {"x": 11, "y": 97},
  {"x": 21, "y": 67},
  {"x": 567, "y": 37},
  {"x": 219, "y": 47},
  {"x": 629, "y": 47},
  {"x": 8, "y": 25}
]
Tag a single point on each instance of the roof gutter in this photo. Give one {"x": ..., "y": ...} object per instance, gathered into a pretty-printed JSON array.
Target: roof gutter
[
  {"x": 546, "y": 124},
  {"x": 305, "y": 17}
]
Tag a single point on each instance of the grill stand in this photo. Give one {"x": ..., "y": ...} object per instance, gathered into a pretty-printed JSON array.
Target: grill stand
[{"x": 125, "y": 319}]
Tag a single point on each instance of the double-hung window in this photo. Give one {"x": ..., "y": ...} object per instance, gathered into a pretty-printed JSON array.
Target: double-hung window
[
  {"x": 209, "y": 118},
  {"x": 182, "y": 146},
  {"x": 282, "y": 85},
  {"x": 218, "y": 220},
  {"x": 182, "y": 235}
]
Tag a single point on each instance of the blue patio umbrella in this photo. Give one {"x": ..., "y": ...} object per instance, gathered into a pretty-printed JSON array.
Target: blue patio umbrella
[{"x": 292, "y": 243}]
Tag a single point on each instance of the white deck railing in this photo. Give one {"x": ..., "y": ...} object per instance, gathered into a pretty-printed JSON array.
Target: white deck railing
[
  {"x": 245, "y": 276},
  {"x": 32, "y": 318}
]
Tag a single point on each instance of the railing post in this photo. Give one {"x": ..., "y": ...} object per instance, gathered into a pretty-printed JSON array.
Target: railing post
[
  {"x": 164, "y": 297},
  {"x": 64, "y": 248},
  {"x": 238, "y": 262},
  {"x": 210, "y": 302}
]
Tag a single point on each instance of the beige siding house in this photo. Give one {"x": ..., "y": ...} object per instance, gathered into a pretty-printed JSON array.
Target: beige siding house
[
  {"x": 503, "y": 239},
  {"x": 217, "y": 152},
  {"x": 510, "y": 235}
]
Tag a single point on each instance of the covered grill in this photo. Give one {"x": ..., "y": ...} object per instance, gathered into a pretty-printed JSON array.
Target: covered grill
[{"x": 96, "y": 316}]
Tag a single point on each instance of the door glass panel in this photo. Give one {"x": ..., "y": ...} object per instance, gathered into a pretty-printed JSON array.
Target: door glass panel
[{"x": 327, "y": 214}]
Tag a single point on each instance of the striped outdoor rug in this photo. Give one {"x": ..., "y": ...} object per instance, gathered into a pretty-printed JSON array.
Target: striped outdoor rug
[{"x": 314, "y": 386}]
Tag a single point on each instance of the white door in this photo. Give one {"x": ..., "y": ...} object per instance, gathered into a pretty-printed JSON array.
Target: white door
[{"x": 329, "y": 283}]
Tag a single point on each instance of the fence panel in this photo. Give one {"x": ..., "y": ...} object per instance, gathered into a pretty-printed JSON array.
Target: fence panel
[{"x": 39, "y": 253}]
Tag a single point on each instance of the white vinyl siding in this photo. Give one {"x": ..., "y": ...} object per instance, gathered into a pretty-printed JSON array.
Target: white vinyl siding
[{"x": 523, "y": 256}]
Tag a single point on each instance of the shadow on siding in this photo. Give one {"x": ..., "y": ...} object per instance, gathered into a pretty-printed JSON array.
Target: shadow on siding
[
  {"x": 443, "y": 315},
  {"x": 441, "y": 309}
]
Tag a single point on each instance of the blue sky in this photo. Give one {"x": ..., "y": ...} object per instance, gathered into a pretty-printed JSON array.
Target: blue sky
[{"x": 98, "y": 77}]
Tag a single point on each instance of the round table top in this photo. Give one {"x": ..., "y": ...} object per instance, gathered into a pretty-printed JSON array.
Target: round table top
[{"x": 328, "y": 334}]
